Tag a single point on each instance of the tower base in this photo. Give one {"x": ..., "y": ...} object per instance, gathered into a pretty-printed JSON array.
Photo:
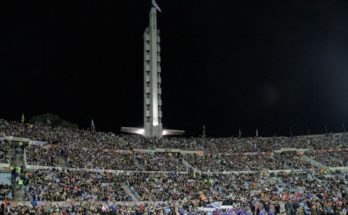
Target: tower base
[{"x": 141, "y": 131}]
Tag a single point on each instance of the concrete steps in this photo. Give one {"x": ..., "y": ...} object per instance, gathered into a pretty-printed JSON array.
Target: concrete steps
[
  {"x": 313, "y": 162},
  {"x": 189, "y": 166},
  {"x": 62, "y": 161},
  {"x": 137, "y": 164},
  {"x": 127, "y": 189},
  {"x": 19, "y": 192}
]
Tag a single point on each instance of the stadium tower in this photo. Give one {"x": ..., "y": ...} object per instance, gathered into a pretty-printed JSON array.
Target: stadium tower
[{"x": 152, "y": 83}]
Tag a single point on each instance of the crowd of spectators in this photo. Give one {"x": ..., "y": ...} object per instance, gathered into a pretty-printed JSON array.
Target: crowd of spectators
[
  {"x": 247, "y": 161},
  {"x": 75, "y": 138},
  {"x": 85, "y": 149},
  {"x": 330, "y": 158},
  {"x": 43, "y": 155},
  {"x": 100, "y": 159},
  {"x": 5, "y": 152},
  {"x": 241, "y": 187},
  {"x": 84, "y": 138},
  {"x": 301, "y": 193},
  {"x": 57, "y": 185},
  {"x": 91, "y": 158},
  {"x": 170, "y": 187},
  {"x": 161, "y": 162},
  {"x": 267, "y": 144},
  {"x": 89, "y": 208},
  {"x": 305, "y": 189},
  {"x": 206, "y": 162},
  {"x": 259, "y": 161},
  {"x": 5, "y": 191}
]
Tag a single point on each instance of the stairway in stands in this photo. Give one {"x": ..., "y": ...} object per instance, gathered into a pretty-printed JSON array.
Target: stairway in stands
[
  {"x": 128, "y": 190},
  {"x": 313, "y": 162},
  {"x": 18, "y": 159},
  {"x": 189, "y": 166}
]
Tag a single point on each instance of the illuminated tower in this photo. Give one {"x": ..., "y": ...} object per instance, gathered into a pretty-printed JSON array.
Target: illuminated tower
[
  {"x": 152, "y": 84},
  {"x": 152, "y": 79}
]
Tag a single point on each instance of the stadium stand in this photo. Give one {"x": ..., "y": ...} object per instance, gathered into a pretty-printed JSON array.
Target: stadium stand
[{"x": 81, "y": 172}]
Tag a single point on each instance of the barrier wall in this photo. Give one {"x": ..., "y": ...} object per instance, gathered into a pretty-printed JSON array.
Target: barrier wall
[
  {"x": 4, "y": 167},
  {"x": 35, "y": 167},
  {"x": 69, "y": 203}
]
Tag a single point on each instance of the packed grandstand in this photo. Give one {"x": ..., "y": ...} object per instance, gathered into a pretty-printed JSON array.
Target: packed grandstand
[{"x": 71, "y": 171}]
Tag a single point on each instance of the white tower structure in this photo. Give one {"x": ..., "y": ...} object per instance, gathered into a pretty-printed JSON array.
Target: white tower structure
[
  {"x": 152, "y": 84},
  {"x": 152, "y": 78}
]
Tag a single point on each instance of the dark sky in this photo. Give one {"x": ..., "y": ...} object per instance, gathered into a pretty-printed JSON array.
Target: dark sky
[{"x": 226, "y": 64}]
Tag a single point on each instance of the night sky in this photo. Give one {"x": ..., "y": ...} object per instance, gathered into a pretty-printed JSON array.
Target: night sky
[{"x": 226, "y": 64}]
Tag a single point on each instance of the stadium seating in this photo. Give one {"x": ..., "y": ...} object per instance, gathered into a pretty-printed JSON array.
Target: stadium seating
[{"x": 78, "y": 171}]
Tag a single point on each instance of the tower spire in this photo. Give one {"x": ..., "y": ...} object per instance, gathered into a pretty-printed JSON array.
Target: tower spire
[{"x": 155, "y": 5}]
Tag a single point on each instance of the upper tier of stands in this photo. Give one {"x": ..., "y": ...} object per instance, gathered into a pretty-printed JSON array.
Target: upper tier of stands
[{"x": 74, "y": 138}]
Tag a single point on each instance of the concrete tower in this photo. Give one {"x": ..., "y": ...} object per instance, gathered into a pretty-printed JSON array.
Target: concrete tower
[
  {"x": 152, "y": 79},
  {"x": 152, "y": 84}
]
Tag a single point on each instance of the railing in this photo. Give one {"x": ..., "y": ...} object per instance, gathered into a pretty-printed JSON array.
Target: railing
[
  {"x": 69, "y": 203},
  {"x": 5, "y": 168}
]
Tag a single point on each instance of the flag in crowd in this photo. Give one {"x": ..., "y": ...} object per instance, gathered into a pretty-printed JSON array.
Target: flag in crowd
[
  {"x": 203, "y": 132},
  {"x": 92, "y": 125},
  {"x": 23, "y": 118}
]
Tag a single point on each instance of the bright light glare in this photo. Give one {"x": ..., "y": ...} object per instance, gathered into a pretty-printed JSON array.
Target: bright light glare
[{"x": 140, "y": 131}]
